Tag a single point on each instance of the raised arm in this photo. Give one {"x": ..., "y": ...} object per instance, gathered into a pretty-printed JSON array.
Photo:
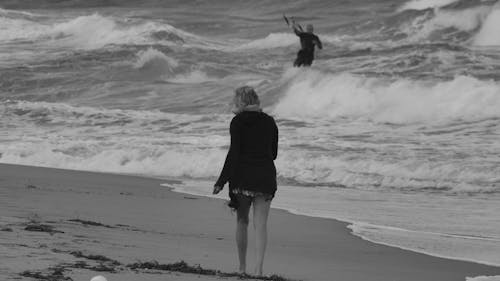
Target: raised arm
[{"x": 296, "y": 28}]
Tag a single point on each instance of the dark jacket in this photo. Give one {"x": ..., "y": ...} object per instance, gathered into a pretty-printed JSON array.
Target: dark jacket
[{"x": 249, "y": 163}]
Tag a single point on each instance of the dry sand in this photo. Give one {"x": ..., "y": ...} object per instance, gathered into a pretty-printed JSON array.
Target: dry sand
[{"x": 143, "y": 221}]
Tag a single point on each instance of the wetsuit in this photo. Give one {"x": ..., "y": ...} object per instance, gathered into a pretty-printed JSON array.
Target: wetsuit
[{"x": 308, "y": 40}]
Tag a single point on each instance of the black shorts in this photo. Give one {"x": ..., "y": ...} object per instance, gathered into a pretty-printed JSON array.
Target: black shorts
[
  {"x": 241, "y": 196},
  {"x": 304, "y": 58}
]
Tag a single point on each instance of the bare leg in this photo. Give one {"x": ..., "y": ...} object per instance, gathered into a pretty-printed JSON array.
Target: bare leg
[
  {"x": 242, "y": 231},
  {"x": 260, "y": 215}
]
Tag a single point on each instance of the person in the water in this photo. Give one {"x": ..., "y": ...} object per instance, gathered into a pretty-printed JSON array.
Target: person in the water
[{"x": 308, "y": 40}]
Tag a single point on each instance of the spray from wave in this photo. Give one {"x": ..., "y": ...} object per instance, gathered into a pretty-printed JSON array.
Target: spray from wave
[
  {"x": 439, "y": 24},
  {"x": 489, "y": 35}
]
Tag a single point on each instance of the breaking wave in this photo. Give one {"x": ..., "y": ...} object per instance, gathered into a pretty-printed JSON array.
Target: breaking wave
[
  {"x": 273, "y": 40},
  {"x": 313, "y": 94},
  {"x": 425, "y": 4},
  {"x": 156, "y": 59},
  {"x": 440, "y": 24},
  {"x": 489, "y": 33},
  {"x": 96, "y": 31},
  {"x": 145, "y": 142}
]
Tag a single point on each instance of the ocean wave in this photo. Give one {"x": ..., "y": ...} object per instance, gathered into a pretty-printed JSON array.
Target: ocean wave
[
  {"x": 155, "y": 59},
  {"x": 193, "y": 156},
  {"x": 61, "y": 114},
  {"x": 145, "y": 142},
  {"x": 425, "y": 4},
  {"x": 111, "y": 140},
  {"x": 436, "y": 25},
  {"x": 314, "y": 94},
  {"x": 19, "y": 28},
  {"x": 409, "y": 175},
  {"x": 156, "y": 64},
  {"x": 488, "y": 35},
  {"x": 193, "y": 77},
  {"x": 16, "y": 13},
  {"x": 93, "y": 32},
  {"x": 281, "y": 40},
  {"x": 273, "y": 40},
  {"x": 96, "y": 31},
  {"x": 483, "y": 278},
  {"x": 137, "y": 157}
]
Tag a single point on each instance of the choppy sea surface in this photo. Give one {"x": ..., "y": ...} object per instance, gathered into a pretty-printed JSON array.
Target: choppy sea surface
[{"x": 395, "y": 128}]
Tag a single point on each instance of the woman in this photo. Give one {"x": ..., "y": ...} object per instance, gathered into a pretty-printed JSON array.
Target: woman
[{"x": 250, "y": 170}]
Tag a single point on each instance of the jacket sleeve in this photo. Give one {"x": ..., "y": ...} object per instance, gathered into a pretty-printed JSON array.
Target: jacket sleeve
[
  {"x": 232, "y": 154},
  {"x": 275, "y": 140}
]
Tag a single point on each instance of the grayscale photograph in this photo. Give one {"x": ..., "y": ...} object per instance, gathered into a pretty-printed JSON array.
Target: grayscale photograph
[{"x": 227, "y": 140}]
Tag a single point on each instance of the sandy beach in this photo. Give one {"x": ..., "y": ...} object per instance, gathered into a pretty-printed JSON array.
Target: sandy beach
[{"x": 99, "y": 221}]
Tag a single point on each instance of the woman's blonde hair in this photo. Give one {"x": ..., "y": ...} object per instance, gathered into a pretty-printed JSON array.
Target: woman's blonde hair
[{"x": 245, "y": 97}]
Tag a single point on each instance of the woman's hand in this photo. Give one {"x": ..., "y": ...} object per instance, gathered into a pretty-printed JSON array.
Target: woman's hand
[{"x": 217, "y": 189}]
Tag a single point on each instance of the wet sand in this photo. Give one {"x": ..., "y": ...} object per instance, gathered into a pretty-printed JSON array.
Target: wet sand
[{"x": 85, "y": 222}]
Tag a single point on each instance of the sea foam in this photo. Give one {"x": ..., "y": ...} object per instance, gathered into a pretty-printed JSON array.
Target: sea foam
[
  {"x": 490, "y": 30},
  {"x": 154, "y": 58},
  {"x": 314, "y": 94},
  {"x": 425, "y": 4},
  {"x": 424, "y": 26},
  {"x": 484, "y": 278},
  {"x": 273, "y": 40},
  {"x": 95, "y": 31}
]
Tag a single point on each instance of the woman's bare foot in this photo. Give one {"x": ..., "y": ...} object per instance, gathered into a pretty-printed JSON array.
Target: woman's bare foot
[{"x": 258, "y": 272}]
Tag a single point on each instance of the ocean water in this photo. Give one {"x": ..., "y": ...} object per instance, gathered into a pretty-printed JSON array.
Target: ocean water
[{"x": 394, "y": 129}]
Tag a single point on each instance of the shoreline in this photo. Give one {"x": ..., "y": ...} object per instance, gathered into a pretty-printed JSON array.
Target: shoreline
[
  {"x": 352, "y": 224},
  {"x": 171, "y": 226}
]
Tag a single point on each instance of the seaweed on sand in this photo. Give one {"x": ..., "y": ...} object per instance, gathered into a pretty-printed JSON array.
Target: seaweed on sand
[
  {"x": 41, "y": 228},
  {"x": 79, "y": 254},
  {"x": 92, "y": 223},
  {"x": 54, "y": 274},
  {"x": 105, "y": 264},
  {"x": 183, "y": 267}
]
